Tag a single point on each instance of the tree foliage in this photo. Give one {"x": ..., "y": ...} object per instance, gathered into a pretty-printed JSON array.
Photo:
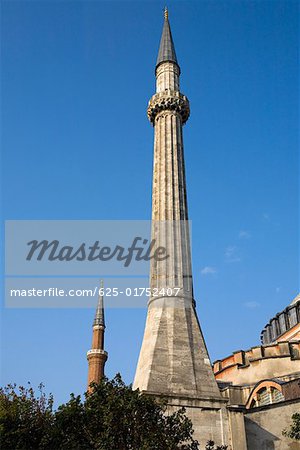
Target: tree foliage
[
  {"x": 25, "y": 419},
  {"x": 111, "y": 416},
  {"x": 294, "y": 430}
]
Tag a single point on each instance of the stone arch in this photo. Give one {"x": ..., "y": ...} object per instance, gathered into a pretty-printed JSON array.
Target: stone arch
[{"x": 261, "y": 387}]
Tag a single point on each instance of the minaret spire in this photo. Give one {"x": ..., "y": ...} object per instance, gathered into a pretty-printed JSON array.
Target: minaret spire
[
  {"x": 99, "y": 316},
  {"x": 166, "y": 48},
  {"x": 97, "y": 356}
]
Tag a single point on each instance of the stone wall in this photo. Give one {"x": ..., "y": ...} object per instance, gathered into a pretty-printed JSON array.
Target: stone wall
[
  {"x": 264, "y": 426},
  {"x": 212, "y": 420}
]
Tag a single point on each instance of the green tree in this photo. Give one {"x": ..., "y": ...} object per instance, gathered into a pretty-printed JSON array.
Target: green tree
[
  {"x": 26, "y": 420},
  {"x": 294, "y": 430},
  {"x": 111, "y": 416}
]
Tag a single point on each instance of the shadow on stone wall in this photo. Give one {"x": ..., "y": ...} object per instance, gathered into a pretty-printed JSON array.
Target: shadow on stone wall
[{"x": 258, "y": 437}]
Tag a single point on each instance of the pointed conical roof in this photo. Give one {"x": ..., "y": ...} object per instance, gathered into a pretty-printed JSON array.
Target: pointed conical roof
[
  {"x": 99, "y": 316},
  {"x": 166, "y": 48}
]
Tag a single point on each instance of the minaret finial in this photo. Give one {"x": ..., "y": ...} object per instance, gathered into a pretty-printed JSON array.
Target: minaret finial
[{"x": 166, "y": 13}]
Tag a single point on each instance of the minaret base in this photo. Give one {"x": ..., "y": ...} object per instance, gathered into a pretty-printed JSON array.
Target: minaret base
[
  {"x": 174, "y": 365},
  {"x": 173, "y": 358}
]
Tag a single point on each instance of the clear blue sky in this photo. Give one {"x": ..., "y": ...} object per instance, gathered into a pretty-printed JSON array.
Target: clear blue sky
[{"x": 76, "y": 79}]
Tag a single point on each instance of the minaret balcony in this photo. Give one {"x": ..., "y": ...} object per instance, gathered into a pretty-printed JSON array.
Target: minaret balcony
[
  {"x": 96, "y": 351},
  {"x": 168, "y": 100}
]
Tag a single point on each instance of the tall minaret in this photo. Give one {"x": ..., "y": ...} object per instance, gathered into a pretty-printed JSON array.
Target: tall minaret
[
  {"x": 173, "y": 360},
  {"x": 97, "y": 356}
]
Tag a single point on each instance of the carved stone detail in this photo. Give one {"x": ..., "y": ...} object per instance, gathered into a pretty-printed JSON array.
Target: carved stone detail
[{"x": 168, "y": 101}]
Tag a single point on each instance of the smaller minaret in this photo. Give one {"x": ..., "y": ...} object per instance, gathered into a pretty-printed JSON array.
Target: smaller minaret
[{"x": 97, "y": 356}]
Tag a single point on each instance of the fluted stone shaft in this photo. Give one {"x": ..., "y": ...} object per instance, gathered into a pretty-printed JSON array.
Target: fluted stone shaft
[{"x": 169, "y": 206}]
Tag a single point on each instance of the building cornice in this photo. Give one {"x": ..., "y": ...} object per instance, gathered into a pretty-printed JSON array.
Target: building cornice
[{"x": 282, "y": 322}]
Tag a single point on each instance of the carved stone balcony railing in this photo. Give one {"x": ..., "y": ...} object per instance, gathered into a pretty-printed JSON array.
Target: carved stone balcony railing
[{"x": 168, "y": 100}]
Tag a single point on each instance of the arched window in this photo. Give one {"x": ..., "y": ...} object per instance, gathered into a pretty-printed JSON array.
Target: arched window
[
  {"x": 265, "y": 393},
  {"x": 276, "y": 395},
  {"x": 263, "y": 397}
]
